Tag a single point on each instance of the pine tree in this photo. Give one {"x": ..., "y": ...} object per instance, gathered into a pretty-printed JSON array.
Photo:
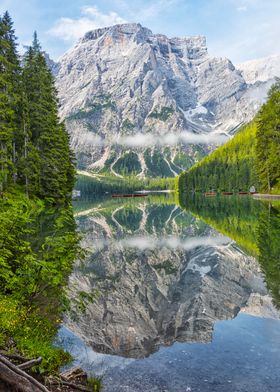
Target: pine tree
[
  {"x": 53, "y": 164},
  {"x": 34, "y": 144},
  {"x": 9, "y": 95},
  {"x": 29, "y": 160}
]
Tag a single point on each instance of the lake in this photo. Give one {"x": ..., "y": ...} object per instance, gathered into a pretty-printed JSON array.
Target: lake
[{"x": 177, "y": 294}]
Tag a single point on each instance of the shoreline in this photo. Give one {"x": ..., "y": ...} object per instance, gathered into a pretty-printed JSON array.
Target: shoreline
[
  {"x": 265, "y": 196},
  {"x": 257, "y": 196}
]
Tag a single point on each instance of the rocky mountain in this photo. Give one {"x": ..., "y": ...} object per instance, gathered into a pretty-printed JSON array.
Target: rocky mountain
[
  {"x": 260, "y": 70},
  {"x": 53, "y": 66},
  {"x": 145, "y": 104},
  {"x": 157, "y": 275}
]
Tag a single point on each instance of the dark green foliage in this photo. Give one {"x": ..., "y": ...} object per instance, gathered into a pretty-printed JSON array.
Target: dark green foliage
[
  {"x": 54, "y": 161},
  {"x": 9, "y": 90},
  {"x": 37, "y": 249},
  {"x": 98, "y": 103},
  {"x": 128, "y": 164},
  {"x": 129, "y": 218},
  {"x": 183, "y": 160},
  {"x": 269, "y": 248},
  {"x": 268, "y": 141},
  {"x": 34, "y": 145},
  {"x": 37, "y": 245},
  {"x": 156, "y": 164},
  {"x": 102, "y": 184},
  {"x": 163, "y": 114}
]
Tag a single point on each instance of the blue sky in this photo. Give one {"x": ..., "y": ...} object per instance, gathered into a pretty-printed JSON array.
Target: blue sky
[{"x": 238, "y": 29}]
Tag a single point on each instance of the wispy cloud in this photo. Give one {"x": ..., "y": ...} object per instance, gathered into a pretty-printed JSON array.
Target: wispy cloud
[
  {"x": 242, "y": 8},
  {"x": 143, "y": 243},
  {"x": 140, "y": 140},
  {"x": 151, "y": 243},
  {"x": 91, "y": 18},
  {"x": 170, "y": 139},
  {"x": 71, "y": 29}
]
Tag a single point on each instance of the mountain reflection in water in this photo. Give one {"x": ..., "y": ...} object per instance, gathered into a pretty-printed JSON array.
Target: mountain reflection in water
[{"x": 157, "y": 273}]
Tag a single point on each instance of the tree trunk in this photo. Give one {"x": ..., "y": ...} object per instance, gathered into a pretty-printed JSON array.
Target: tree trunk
[
  {"x": 18, "y": 379},
  {"x": 30, "y": 364},
  {"x": 14, "y": 163}
]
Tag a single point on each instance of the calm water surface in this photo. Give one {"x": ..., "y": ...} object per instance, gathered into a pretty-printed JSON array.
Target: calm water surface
[{"x": 177, "y": 298}]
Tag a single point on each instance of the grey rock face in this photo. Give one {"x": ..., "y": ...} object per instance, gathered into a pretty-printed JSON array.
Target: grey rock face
[
  {"x": 123, "y": 80},
  {"x": 260, "y": 70},
  {"x": 53, "y": 66}
]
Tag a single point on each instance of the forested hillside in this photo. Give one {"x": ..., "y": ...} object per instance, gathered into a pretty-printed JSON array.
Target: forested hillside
[{"x": 251, "y": 158}]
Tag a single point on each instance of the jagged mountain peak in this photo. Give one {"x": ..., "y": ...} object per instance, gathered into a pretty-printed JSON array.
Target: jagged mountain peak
[
  {"x": 117, "y": 31},
  {"x": 132, "y": 29},
  {"x": 189, "y": 47},
  {"x": 260, "y": 70},
  {"x": 123, "y": 81}
]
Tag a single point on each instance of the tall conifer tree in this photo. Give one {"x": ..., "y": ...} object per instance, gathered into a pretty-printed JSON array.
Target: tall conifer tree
[
  {"x": 34, "y": 144},
  {"x": 9, "y": 96},
  {"x": 54, "y": 161}
]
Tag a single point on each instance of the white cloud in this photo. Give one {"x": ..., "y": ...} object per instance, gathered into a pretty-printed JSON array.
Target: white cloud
[
  {"x": 170, "y": 139},
  {"x": 242, "y": 8},
  {"x": 143, "y": 243},
  {"x": 70, "y": 29},
  {"x": 151, "y": 243},
  {"x": 140, "y": 140}
]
